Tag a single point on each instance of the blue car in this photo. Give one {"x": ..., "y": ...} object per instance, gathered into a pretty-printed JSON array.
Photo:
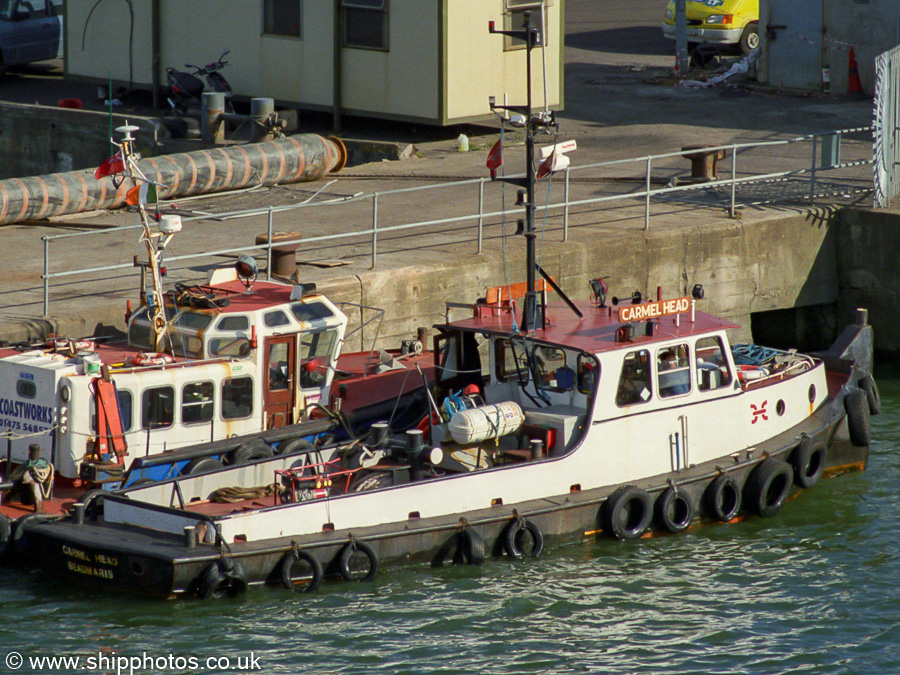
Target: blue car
[{"x": 30, "y": 30}]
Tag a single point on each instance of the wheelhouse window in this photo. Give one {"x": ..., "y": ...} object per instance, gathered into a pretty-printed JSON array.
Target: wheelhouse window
[
  {"x": 511, "y": 360},
  {"x": 587, "y": 373},
  {"x": 126, "y": 409},
  {"x": 712, "y": 366},
  {"x": 197, "y": 402},
  {"x": 279, "y": 377},
  {"x": 365, "y": 24},
  {"x": 158, "y": 407},
  {"x": 310, "y": 311},
  {"x": 276, "y": 318},
  {"x": 673, "y": 370},
  {"x": 634, "y": 382},
  {"x": 553, "y": 373},
  {"x": 237, "y": 397},
  {"x": 283, "y": 18},
  {"x": 233, "y": 323},
  {"x": 140, "y": 333},
  {"x": 315, "y": 357}
]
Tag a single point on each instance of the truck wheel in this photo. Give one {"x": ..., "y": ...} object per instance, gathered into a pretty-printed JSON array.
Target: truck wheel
[{"x": 750, "y": 38}]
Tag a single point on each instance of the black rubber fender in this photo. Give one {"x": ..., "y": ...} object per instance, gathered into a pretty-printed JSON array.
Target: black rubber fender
[
  {"x": 347, "y": 553},
  {"x": 250, "y": 451},
  {"x": 722, "y": 498},
  {"x": 674, "y": 510},
  {"x": 808, "y": 461},
  {"x": 223, "y": 576},
  {"x": 627, "y": 512},
  {"x": 514, "y": 539},
  {"x": 873, "y": 396},
  {"x": 465, "y": 547},
  {"x": 201, "y": 465},
  {"x": 768, "y": 487},
  {"x": 17, "y": 543},
  {"x": 293, "y": 583},
  {"x": 858, "y": 423},
  {"x": 5, "y": 534},
  {"x": 293, "y": 447}
]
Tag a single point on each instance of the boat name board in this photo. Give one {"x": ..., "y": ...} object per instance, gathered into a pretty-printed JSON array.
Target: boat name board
[
  {"x": 81, "y": 557},
  {"x": 653, "y": 310}
]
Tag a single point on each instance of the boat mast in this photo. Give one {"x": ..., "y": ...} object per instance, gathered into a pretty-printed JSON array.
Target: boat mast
[
  {"x": 155, "y": 295},
  {"x": 533, "y": 314}
]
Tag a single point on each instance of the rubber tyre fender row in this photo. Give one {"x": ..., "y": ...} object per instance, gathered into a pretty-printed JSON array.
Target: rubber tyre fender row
[
  {"x": 294, "y": 583},
  {"x": 768, "y": 487},
  {"x": 201, "y": 465},
  {"x": 250, "y": 451},
  {"x": 225, "y": 576},
  {"x": 722, "y": 498},
  {"x": 294, "y": 446},
  {"x": 868, "y": 385},
  {"x": 808, "y": 461},
  {"x": 627, "y": 512},
  {"x": 514, "y": 539},
  {"x": 858, "y": 423},
  {"x": 674, "y": 510},
  {"x": 465, "y": 547},
  {"x": 347, "y": 554}
]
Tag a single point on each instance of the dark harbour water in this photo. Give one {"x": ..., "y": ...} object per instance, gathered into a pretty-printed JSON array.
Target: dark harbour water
[{"x": 815, "y": 589}]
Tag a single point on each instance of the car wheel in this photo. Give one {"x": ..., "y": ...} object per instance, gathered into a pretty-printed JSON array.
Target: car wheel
[{"x": 750, "y": 38}]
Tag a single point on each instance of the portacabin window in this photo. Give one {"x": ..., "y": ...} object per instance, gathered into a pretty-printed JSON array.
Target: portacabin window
[
  {"x": 283, "y": 17},
  {"x": 514, "y": 19},
  {"x": 365, "y": 24},
  {"x": 634, "y": 380},
  {"x": 158, "y": 407}
]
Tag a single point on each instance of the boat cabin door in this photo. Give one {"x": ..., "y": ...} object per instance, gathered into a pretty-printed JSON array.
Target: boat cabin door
[{"x": 280, "y": 366}]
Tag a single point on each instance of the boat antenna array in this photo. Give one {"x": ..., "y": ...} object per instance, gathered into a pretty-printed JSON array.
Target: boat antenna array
[
  {"x": 154, "y": 294},
  {"x": 533, "y": 315}
]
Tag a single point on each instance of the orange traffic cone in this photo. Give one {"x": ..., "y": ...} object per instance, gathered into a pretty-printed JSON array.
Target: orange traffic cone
[{"x": 853, "y": 83}]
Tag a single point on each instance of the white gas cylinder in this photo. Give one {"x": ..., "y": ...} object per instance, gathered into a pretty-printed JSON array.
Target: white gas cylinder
[{"x": 485, "y": 422}]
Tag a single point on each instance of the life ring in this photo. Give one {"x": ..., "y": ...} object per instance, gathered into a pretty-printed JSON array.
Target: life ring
[
  {"x": 305, "y": 583},
  {"x": 627, "y": 512},
  {"x": 768, "y": 486},
  {"x": 249, "y": 451},
  {"x": 514, "y": 539},
  {"x": 223, "y": 576},
  {"x": 465, "y": 547},
  {"x": 674, "y": 510},
  {"x": 868, "y": 385},
  {"x": 74, "y": 345},
  {"x": 347, "y": 554},
  {"x": 808, "y": 462},
  {"x": 150, "y": 359},
  {"x": 723, "y": 498},
  {"x": 858, "y": 424}
]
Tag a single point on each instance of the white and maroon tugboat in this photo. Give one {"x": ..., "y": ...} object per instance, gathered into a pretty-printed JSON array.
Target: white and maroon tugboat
[
  {"x": 233, "y": 356},
  {"x": 557, "y": 423}
]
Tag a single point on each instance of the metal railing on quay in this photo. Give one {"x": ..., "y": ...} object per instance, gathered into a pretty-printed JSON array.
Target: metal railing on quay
[{"x": 829, "y": 142}]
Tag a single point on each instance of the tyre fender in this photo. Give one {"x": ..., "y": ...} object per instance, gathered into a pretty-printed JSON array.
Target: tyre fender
[
  {"x": 250, "y": 451},
  {"x": 808, "y": 462},
  {"x": 873, "y": 396},
  {"x": 294, "y": 446},
  {"x": 858, "y": 423},
  {"x": 201, "y": 465},
  {"x": 5, "y": 532},
  {"x": 627, "y": 512},
  {"x": 293, "y": 583},
  {"x": 722, "y": 498},
  {"x": 347, "y": 553},
  {"x": 674, "y": 510},
  {"x": 465, "y": 547},
  {"x": 514, "y": 539},
  {"x": 768, "y": 487},
  {"x": 223, "y": 576}
]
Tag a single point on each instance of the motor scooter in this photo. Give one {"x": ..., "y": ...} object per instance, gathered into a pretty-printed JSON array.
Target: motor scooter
[{"x": 186, "y": 89}]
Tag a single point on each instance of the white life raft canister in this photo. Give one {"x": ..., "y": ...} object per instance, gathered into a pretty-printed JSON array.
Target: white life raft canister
[{"x": 486, "y": 422}]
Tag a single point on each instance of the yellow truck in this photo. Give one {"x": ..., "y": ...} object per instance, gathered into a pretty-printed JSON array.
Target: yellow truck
[{"x": 718, "y": 22}]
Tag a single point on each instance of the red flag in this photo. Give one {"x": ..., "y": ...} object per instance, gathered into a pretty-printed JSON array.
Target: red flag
[
  {"x": 114, "y": 165},
  {"x": 546, "y": 167},
  {"x": 495, "y": 157}
]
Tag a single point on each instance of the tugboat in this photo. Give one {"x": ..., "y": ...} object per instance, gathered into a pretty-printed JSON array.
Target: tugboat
[
  {"x": 562, "y": 421},
  {"x": 230, "y": 357}
]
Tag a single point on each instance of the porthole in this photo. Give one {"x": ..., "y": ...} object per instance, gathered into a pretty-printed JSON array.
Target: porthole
[
  {"x": 812, "y": 393},
  {"x": 779, "y": 407}
]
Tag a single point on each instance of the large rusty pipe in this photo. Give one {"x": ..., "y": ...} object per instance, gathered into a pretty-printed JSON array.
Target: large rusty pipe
[{"x": 304, "y": 157}]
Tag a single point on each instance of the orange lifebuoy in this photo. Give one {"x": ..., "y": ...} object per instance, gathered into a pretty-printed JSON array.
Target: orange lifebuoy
[
  {"x": 74, "y": 345},
  {"x": 150, "y": 359}
]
